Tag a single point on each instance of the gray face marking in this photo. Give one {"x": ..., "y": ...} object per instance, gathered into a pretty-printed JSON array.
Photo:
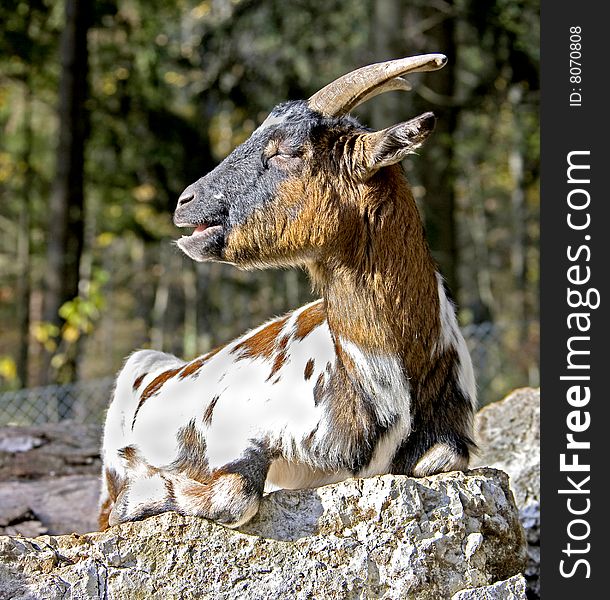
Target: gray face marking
[
  {"x": 272, "y": 120},
  {"x": 248, "y": 179},
  {"x": 244, "y": 181}
]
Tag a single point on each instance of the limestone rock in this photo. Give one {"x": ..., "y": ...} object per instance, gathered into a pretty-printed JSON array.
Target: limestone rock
[
  {"x": 65, "y": 448},
  {"x": 382, "y": 537},
  {"x": 511, "y": 589},
  {"x": 509, "y": 439},
  {"x": 58, "y": 505},
  {"x": 49, "y": 478}
]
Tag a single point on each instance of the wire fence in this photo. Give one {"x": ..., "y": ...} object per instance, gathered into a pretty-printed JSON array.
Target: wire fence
[{"x": 504, "y": 357}]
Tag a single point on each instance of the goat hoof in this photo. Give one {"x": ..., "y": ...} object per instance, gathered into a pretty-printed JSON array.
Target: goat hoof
[{"x": 441, "y": 458}]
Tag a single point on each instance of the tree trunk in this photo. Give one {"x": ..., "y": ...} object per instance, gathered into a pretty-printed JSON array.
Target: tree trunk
[
  {"x": 66, "y": 218},
  {"x": 24, "y": 287},
  {"x": 388, "y": 43}
]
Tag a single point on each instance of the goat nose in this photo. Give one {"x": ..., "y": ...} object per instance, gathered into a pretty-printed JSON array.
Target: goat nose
[{"x": 186, "y": 197}]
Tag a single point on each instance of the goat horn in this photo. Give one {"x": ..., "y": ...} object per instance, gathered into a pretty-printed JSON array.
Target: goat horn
[{"x": 354, "y": 88}]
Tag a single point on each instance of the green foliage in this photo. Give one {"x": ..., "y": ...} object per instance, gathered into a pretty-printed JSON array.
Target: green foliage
[
  {"x": 174, "y": 86},
  {"x": 80, "y": 316},
  {"x": 81, "y": 313}
]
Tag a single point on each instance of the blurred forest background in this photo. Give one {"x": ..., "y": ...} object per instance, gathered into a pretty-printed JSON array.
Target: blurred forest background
[{"x": 109, "y": 109}]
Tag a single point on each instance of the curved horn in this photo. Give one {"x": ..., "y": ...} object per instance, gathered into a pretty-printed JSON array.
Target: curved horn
[
  {"x": 392, "y": 85},
  {"x": 350, "y": 90}
]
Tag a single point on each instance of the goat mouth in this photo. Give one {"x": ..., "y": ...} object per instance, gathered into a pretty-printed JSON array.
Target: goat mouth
[
  {"x": 205, "y": 229},
  {"x": 205, "y": 242},
  {"x": 200, "y": 229}
]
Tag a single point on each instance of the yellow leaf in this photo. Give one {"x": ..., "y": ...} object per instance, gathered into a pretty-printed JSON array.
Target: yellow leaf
[
  {"x": 70, "y": 334},
  {"x": 174, "y": 78},
  {"x": 104, "y": 239},
  {"x": 43, "y": 332},
  {"x": 57, "y": 361},
  {"x": 8, "y": 368},
  {"x": 201, "y": 10},
  {"x": 144, "y": 193}
]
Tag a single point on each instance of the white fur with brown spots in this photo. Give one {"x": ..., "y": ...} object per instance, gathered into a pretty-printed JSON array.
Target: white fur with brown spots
[{"x": 373, "y": 378}]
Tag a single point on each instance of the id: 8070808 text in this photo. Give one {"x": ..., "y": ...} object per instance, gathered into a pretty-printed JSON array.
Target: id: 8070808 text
[{"x": 575, "y": 66}]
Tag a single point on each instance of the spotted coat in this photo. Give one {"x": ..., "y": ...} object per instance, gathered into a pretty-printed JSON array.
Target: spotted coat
[{"x": 373, "y": 378}]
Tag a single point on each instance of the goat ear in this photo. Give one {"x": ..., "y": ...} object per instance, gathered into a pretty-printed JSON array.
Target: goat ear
[{"x": 391, "y": 145}]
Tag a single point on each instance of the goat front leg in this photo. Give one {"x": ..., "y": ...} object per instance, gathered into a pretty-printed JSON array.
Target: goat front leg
[
  {"x": 229, "y": 495},
  {"x": 439, "y": 443},
  {"x": 421, "y": 455},
  {"x": 442, "y": 458}
]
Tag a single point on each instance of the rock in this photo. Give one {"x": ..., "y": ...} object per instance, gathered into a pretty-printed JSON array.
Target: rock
[
  {"x": 511, "y": 589},
  {"x": 18, "y": 443},
  {"x": 509, "y": 439},
  {"x": 49, "y": 478},
  {"x": 27, "y": 527},
  {"x": 59, "y": 505},
  {"x": 381, "y": 537},
  {"x": 65, "y": 448}
]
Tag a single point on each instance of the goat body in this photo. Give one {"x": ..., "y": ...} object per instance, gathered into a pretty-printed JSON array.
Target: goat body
[{"x": 373, "y": 378}]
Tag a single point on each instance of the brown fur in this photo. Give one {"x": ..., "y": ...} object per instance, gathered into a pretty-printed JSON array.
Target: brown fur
[
  {"x": 114, "y": 486},
  {"x": 201, "y": 493},
  {"x": 348, "y": 412},
  {"x": 134, "y": 459},
  {"x": 292, "y": 229},
  {"x": 171, "y": 493},
  {"x": 114, "y": 483},
  {"x": 192, "y": 460},
  {"x": 310, "y": 318},
  {"x": 278, "y": 363},
  {"x": 385, "y": 300},
  {"x": 138, "y": 381},
  {"x": 193, "y": 367},
  {"x": 283, "y": 343},
  {"x": 152, "y": 388},
  {"x": 129, "y": 454},
  {"x": 207, "y": 415},
  {"x": 318, "y": 389},
  {"x": 309, "y": 369},
  {"x": 355, "y": 425},
  {"x": 308, "y": 441},
  {"x": 377, "y": 296},
  {"x": 381, "y": 299},
  {"x": 261, "y": 344},
  {"x": 234, "y": 491},
  {"x": 104, "y": 516}
]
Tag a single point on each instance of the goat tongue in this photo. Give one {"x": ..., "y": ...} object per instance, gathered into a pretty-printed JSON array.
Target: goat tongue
[{"x": 200, "y": 228}]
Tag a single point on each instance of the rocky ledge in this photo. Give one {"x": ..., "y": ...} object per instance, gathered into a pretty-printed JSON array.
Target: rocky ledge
[
  {"x": 49, "y": 478},
  {"x": 508, "y": 435},
  {"x": 455, "y": 535}
]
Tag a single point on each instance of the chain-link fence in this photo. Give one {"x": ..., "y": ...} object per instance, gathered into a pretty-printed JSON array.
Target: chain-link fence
[
  {"x": 504, "y": 356},
  {"x": 502, "y": 361},
  {"x": 84, "y": 402}
]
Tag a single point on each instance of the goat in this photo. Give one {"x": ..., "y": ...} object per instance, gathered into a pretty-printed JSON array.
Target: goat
[{"x": 373, "y": 378}]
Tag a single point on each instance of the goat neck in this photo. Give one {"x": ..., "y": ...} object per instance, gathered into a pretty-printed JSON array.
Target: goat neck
[{"x": 382, "y": 293}]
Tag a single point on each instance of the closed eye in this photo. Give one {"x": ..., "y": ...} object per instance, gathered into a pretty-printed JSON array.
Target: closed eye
[{"x": 279, "y": 157}]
